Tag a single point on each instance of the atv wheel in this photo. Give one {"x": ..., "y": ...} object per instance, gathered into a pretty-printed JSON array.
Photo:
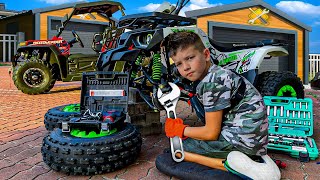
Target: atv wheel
[
  {"x": 86, "y": 156},
  {"x": 33, "y": 77},
  {"x": 60, "y": 113},
  {"x": 285, "y": 84}
]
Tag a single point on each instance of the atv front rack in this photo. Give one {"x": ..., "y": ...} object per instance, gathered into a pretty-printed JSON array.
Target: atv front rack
[{"x": 136, "y": 21}]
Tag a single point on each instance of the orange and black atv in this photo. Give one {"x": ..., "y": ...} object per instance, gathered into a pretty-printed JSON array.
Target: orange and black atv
[{"x": 38, "y": 64}]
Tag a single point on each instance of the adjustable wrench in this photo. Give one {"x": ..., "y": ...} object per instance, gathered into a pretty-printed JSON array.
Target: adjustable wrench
[
  {"x": 169, "y": 102},
  {"x": 260, "y": 18},
  {"x": 265, "y": 11}
]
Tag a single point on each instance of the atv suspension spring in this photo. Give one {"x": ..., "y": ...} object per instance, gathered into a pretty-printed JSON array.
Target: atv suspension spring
[
  {"x": 156, "y": 67},
  {"x": 138, "y": 63},
  {"x": 133, "y": 74}
]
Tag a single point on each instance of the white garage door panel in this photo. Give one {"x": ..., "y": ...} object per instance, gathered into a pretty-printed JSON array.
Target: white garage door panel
[{"x": 224, "y": 34}]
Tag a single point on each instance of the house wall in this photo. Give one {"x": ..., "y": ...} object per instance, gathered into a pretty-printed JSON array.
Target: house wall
[
  {"x": 241, "y": 17},
  {"x": 23, "y": 23},
  {"x": 59, "y": 13}
]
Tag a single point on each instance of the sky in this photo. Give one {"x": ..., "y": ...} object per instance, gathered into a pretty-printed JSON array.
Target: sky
[{"x": 306, "y": 11}]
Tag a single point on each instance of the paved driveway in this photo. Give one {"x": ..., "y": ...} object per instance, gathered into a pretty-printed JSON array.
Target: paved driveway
[{"x": 22, "y": 131}]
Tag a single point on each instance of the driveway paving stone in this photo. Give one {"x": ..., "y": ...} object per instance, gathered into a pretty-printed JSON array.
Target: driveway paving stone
[{"x": 22, "y": 131}]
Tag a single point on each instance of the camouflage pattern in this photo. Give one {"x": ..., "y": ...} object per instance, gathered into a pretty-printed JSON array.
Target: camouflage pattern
[{"x": 245, "y": 125}]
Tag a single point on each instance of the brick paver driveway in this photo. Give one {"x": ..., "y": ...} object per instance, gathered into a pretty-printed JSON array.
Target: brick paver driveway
[{"x": 22, "y": 131}]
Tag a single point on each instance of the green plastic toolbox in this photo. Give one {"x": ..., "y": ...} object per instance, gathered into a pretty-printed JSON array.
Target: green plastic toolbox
[{"x": 291, "y": 126}]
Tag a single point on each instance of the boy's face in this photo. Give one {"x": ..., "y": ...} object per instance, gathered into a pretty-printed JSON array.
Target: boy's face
[{"x": 192, "y": 63}]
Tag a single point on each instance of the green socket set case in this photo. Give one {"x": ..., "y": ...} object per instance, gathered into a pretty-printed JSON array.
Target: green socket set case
[{"x": 291, "y": 126}]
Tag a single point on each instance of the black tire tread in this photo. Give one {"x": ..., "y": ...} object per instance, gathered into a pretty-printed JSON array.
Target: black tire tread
[
  {"x": 56, "y": 115},
  {"x": 269, "y": 83},
  {"x": 84, "y": 156},
  {"x": 32, "y": 91}
]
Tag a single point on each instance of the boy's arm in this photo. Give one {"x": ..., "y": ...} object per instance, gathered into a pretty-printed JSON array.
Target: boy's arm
[{"x": 212, "y": 129}]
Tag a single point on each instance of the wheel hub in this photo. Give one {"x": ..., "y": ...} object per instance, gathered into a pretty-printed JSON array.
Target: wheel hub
[
  {"x": 33, "y": 77},
  {"x": 91, "y": 134},
  {"x": 287, "y": 91}
]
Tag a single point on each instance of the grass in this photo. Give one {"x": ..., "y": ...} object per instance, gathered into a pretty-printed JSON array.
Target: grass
[{"x": 5, "y": 64}]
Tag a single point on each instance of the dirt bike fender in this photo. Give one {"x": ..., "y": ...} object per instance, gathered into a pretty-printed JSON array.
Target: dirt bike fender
[{"x": 261, "y": 53}]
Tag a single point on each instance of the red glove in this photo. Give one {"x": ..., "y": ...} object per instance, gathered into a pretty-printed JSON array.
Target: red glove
[{"x": 175, "y": 127}]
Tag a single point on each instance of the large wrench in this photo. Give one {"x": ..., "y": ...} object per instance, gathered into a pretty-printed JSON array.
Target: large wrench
[
  {"x": 169, "y": 102},
  {"x": 265, "y": 11}
]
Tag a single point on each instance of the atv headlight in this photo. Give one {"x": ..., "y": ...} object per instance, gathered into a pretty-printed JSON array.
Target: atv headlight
[
  {"x": 144, "y": 39},
  {"x": 22, "y": 43}
]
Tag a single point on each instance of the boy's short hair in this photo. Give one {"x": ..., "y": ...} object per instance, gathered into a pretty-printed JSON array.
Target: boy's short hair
[{"x": 182, "y": 40}]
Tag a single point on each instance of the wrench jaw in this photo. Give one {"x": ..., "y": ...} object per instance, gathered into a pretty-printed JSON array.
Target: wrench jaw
[{"x": 169, "y": 102}]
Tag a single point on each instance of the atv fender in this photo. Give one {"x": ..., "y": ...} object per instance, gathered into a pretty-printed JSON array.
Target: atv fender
[
  {"x": 261, "y": 53},
  {"x": 54, "y": 56}
]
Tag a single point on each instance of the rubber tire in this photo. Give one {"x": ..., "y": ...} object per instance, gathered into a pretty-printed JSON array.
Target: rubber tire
[
  {"x": 269, "y": 83},
  {"x": 56, "y": 115},
  {"x": 22, "y": 67},
  {"x": 88, "y": 156}
]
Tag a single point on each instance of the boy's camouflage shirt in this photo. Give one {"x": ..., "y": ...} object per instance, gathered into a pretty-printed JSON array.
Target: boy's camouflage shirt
[{"x": 245, "y": 125}]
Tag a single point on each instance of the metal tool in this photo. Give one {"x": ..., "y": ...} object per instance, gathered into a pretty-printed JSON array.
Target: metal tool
[
  {"x": 296, "y": 128},
  {"x": 276, "y": 137},
  {"x": 309, "y": 140},
  {"x": 281, "y": 110},
  {"x": 260, "y": 18},
  {"x": 169, "y": 101},
  {"x": 265, "y": 11}
]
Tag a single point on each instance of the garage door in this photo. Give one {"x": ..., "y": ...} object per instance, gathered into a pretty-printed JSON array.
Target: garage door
[
  {"x": 84, "y": 30},
  {"x": 226, "y": 34}
]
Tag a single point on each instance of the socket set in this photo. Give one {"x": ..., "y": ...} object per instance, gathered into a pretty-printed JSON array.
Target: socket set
[{"x": 290, "y": 126}]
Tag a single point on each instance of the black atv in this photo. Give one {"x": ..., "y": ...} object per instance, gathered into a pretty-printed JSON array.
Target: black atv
[{"x": 140, "y": 55}]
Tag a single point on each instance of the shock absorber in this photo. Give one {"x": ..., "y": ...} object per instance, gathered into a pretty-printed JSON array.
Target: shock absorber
[
  {"x": 138, "y": 63},
  {"x": 156, "y": 67}
]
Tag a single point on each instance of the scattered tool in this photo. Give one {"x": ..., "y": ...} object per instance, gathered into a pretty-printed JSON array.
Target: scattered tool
[{"x": 169, "y": 101}]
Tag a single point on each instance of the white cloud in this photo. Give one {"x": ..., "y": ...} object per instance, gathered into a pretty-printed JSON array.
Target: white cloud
[
  {"x": 299, "y": 7},
  {"x": 317, "y": 23},
  {"x": 149, "y": 8},
  {"x": 195, "y": 4},
  {"x": 59, "y": 1}
]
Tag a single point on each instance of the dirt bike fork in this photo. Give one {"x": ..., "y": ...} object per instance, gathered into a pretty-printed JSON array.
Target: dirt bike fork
[{"x": 169, "y": 101}]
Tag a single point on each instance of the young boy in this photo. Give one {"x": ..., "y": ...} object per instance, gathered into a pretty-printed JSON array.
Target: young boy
[{"x": 231, "y": 123}]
